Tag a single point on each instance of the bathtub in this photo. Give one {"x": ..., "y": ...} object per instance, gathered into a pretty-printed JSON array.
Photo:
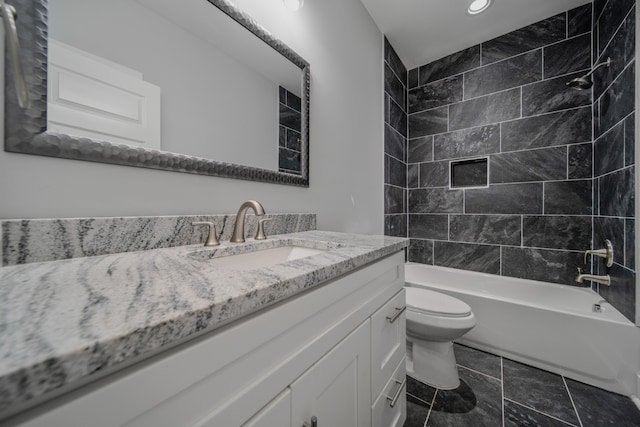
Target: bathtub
[{"x": 549, "y": 326}]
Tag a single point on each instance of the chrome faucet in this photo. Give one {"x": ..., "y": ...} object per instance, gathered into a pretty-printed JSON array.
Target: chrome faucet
[
  {"x": 603, "y": 280},
  {"x": 238, "y": 229}
]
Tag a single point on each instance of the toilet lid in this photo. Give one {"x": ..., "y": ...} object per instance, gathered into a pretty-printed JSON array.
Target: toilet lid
[{"x": 430, "y": 302}]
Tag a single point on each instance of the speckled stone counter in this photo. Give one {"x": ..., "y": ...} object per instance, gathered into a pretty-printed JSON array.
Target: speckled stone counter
[{"x": 62, "y": 322}]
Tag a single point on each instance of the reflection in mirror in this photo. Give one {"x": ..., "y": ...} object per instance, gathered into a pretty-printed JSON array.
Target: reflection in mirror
[{"x": 156, "y": 77}]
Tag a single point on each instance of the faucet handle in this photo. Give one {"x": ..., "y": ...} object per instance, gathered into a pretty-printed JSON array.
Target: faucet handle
[
  {"x": 579, "y": 270},
  {"x": 212, "y": 240},
  {"x": 260, "y": 233}
]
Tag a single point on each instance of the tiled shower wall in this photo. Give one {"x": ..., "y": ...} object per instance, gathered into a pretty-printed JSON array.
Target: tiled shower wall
[
  {"x": 505, "y": 99},
  {"x": 613, "y": 148},
  {"x": 395, "y": 142},
  {"x": 289, "y": 147}
]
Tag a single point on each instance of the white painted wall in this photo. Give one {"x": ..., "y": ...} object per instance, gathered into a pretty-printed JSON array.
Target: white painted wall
[{"x": 344, "y": 48}]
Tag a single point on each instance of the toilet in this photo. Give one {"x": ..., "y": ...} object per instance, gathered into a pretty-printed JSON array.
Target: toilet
[{"x": 434, "y": 320}]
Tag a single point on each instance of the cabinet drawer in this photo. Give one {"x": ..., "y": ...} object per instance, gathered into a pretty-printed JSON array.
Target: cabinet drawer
[
  {"x": 382, "y": 413},
  {"x": 388, "y": 341}
]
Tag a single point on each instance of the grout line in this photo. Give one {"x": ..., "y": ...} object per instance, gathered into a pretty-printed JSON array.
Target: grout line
[
  {"x": 502, "y": 386},
  {"x": 572, "y": 403},
  {"x": 605, "y": 90},
  {"x": 542, "y": 413},
  {"x": 433, "y": 400},
  {"x": 417, "y": 398},
  {"x": 597, "y": 18},
  {"x": 478, "y": 372},
  {"x": 522, "y": 230}
]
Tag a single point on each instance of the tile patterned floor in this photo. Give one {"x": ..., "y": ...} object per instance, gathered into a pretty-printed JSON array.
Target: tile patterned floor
[{"x": 498, "y": 392}]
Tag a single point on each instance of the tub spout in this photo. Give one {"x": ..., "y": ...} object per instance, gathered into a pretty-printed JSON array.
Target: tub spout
[{"x": 603, "y": 280}]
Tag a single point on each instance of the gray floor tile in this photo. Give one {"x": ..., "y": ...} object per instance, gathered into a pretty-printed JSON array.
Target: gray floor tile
[
  {"x": 416, "y": 412},
  {"x": 420, "y": 390},
  {"x": 538, "y": 389},
  {"x": 477, "y": 402},
  {"x": 477, "y": 360},
  {"x": 597, "y": 407},
  {"x": 516, "y": 415}
]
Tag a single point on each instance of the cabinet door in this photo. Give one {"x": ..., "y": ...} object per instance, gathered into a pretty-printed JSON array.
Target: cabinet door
[
  {"x": 337, "y": 388},
  {"x": 276, "y": 414},
  {"x": 388, "y": 341}
]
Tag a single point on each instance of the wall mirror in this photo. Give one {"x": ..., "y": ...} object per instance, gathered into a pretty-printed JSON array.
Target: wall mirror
[{"x": 194, "y": 86}]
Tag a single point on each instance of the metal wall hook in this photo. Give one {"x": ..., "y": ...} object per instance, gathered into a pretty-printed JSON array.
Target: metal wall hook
[{"x": 9, "y": 16}]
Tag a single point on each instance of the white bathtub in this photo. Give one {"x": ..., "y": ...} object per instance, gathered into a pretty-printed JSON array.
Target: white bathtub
[{"x": 546, "y": 325}]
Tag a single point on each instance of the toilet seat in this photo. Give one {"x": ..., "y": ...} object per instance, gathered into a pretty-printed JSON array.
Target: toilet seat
[{"x": 426, "y": 301}]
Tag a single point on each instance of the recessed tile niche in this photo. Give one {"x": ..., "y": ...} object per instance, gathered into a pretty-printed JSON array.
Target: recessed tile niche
[{"x": 469, "y": 173}]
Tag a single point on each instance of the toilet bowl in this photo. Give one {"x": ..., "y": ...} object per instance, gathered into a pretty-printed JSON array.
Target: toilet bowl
[{"x": 434, "y": 320}]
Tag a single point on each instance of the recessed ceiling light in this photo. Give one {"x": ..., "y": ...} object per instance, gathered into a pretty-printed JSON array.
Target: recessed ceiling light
[
  {"x": 293, "y": 5},
  {"x": 478, "y": 6}
]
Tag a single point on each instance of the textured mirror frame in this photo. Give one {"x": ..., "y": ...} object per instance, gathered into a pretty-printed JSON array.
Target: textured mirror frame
[{"x": 25, "y": 129}]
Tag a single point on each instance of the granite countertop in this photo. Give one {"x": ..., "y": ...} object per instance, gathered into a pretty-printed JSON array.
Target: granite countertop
[{"x": 63, "y": 321}]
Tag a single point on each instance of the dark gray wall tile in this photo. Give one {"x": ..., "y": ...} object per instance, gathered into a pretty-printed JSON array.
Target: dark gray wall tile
[
  {"x": 395, "y": 172},
  {"x": 436, "y": 94},
  {"x": 412, "y": 78},
  {"x": 560, "y": 128},
  {"x": 450, "y": 65},
  {"x": 394, "y": 87},
  {"x": 608, "y": 151},
  {"x": 393, "y": 142},
  {"x": 630, "y": 244},
  {"x": 435, "y": 200},
  {"x": 395, "y": 225},
  {"x": 505, "y": 199},
  {"x": 428, "y": 226},
  {"x": 580, "y": 161},
  {"x": 541, "y": 264},
  {"x": 394, "y": 200},
  {"x": 507, "y": 74},
  {"x": 387, "y": 101},
  {"x": 466, "y": 256},
  {"x": 629, "y": 140},
  {"x": 289, "y": 160},
  {"x": 622, "y": 292},
  {"x": 596, "y": 119},
  {"x": 568, "y": 56},
  {"x": 397, "y": 118},
  {"x": 621, "y": 50},
  {"x": 612, "y": 409},
  {"x": 392, "y": 58},
  {"x": 568, "y": 197},
  {"x": 420, "y": 150},
  {"x": 488, "y": 109},
  {"x": 612, "y": 229},
  {"x": 467, "y": 143},
  {"x": 618, "y": 101},
  {"x": 610, "y": 19},
  {"x": 294, "y": 140},
  {"x": 495, "y": 229},
  {"x": 579, "y": 20},
  {"x": 421, "y": 251},
  {"x": 434, "y": 174},
  {"x": 553, "y": 95},
  {"x": 290, "y": 118},
  {"x": 534, "y": 165},
  {"x": 598, "y": 7},
  {"x": 428, "y": 122},
  {"x": 557, "y": 232},
  {"x": 617, "y": 196},
  {"x": 413, "y": 171},
  {"x": 533, "y": 36}
]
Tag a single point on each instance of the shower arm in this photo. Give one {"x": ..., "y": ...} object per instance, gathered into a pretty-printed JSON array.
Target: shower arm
[{"x": 607, "y": 63}]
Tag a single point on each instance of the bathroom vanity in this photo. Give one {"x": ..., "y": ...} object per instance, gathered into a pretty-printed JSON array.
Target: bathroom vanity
[{"x": 319, "y": 340}]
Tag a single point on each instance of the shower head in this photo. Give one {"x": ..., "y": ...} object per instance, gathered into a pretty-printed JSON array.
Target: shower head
[
  {"x": 585, "y": 82},
  {"x": 581, "y": 83}
]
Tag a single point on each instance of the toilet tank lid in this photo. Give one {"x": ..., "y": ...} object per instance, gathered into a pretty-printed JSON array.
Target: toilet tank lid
[{"x": 428, "y": 301}]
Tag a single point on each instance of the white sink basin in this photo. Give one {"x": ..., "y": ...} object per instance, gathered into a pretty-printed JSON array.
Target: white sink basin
[{"x": 264, "y": 258}]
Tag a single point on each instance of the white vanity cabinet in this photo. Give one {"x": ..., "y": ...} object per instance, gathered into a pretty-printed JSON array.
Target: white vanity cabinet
[{"x": 335, "y": 353}]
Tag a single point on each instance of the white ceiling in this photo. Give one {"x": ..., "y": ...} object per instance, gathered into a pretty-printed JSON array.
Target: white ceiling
[{"x": 425, "y": 30}]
